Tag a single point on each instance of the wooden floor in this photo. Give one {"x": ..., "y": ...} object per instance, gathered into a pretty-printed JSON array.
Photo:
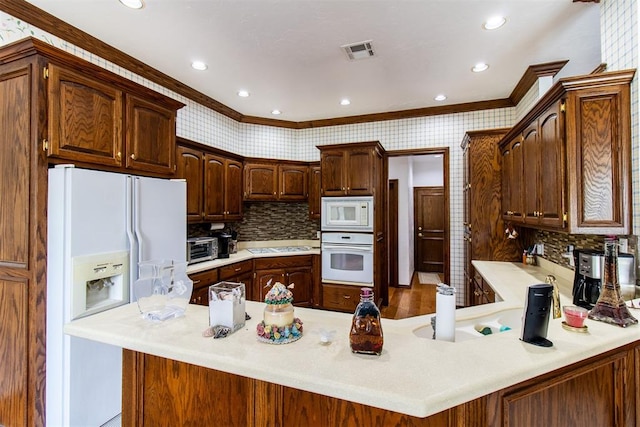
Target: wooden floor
[{"x": 410, "y": 301}]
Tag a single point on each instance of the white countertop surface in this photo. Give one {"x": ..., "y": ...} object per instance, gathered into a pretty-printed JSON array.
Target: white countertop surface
[
  {"x": 414, "y": 376},
  {"x": 243, "y": 254}
]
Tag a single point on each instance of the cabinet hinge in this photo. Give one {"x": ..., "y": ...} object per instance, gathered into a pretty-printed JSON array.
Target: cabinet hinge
[
  {"x": 45, "y": 145},
  {"x": 563, "y": 107},
  {"x": 45, "y": 73}
]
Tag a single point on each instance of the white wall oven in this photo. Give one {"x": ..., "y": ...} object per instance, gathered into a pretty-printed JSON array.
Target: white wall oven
[
  {"x": 354, "y": 214},
  {"x": 347, "y": 258}
]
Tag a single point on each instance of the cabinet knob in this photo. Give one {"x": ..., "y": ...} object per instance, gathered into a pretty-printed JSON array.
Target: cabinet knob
[
  {"x": 118, "y": 156},
  {"x": 274, "y": 193},
  {"x": 419, "y": 234},
  {"x": 133, "y": 156},
  {"x": 347, "y": 296}
]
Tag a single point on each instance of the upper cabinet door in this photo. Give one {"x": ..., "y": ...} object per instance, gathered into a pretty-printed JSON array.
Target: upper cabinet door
[
  {"x": 516, "y": 181},
  {"x": 214, "y": 187},
  {"x": 530, "y": 152},
  {"x": 233, "y": 190},
  {"x": 293, "y": 182},
  {"x": 333, "y": 176},
  {"x": 314, "y": 192},
  {"x": 599, "y": 157},
  {"x": 190, "y": 167},
  {"x": 85, "y": 118},
  {"x": 261, "y": 181},
  {"x": 359, "y": 172},
  {"x": 150, "y": 136},
  {"x": 552, "y": 167}
]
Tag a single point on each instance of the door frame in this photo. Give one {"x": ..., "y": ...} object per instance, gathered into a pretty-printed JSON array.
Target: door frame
[
  {"x": 392, "y": 218},
  {"x": 444, "y": 151}
]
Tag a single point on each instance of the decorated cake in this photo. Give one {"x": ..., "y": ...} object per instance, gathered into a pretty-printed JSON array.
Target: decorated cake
[{"x": 279, "y": 326}]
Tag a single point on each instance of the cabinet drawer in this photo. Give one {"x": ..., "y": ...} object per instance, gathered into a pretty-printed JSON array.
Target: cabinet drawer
[
  {"x": 228, "y": 271},
  {"x": 204, "y": 278},
  {"x": 337, "y": 297},
  {"x": 282, "y": 262}
]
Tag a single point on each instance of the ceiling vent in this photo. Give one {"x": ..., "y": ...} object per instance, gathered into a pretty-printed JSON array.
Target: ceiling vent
[{"x": 360, "y": 50}]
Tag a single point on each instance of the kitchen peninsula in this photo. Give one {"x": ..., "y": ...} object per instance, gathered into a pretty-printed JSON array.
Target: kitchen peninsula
[{"x": 175, "y": 376}]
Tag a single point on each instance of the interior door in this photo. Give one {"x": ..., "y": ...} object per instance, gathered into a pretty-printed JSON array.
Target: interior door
[{"x": 429, "y": 228}]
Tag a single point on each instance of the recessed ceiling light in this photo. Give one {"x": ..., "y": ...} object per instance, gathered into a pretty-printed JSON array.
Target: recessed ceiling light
[
  {"x": 494, "y": 22},
  {"x": 276, "y": 112},
  {"x": 199, "y": 65},
  {"x": 345, "y": 101},
  {"x": 440, "y": 97},
  {"x": 479, "y": 67},
  {"x": 133, "y": 4},
  {"x": 243, "y": 93}
]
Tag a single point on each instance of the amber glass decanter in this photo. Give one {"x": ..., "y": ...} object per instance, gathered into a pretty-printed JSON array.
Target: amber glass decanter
[
  {"x": 610, "y": 307},
  {"x": 366, "y": 331}
]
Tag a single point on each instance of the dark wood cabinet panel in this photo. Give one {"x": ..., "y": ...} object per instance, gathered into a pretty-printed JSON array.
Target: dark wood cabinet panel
[
  {"x": 189, "y": 167},
  {"x": 599, "y": 391},
  {"x": 293, "y": 182},
  {"x": 261, "y": 181},
  {"x": 484, "y": 237},
  {"x": 14, "y": 372},
  {"x": 214, "y": 184},
  {"x": 348, "y": 172},
  {"x": 85, "y": 118},
  {"x": 575, "y": 157},
  {"x": 237, "y": 269},
  {"x": 333, "y": 172},
  {"x": 201, "y": 282},
  {"x": 599, "y": 161},
  {"x": 296, "y": 270},
  {"x": 314, "y": 192},
  {"x": 150, "y": 136},
  {"x": 276, "y": 181},
  {"x": 340, "y": 297},
  {"x": 98, "y": 121},
  {"x": 233, "y": 190},
  {"x": 551, "y": 186}
]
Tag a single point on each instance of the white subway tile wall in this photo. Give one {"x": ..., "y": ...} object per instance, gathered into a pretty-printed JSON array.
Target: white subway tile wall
[
  {"x": 201, "y": 124},
  {"x": 619, "y": 50}
]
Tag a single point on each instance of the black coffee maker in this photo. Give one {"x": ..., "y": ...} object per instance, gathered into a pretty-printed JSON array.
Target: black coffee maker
[
  {"x": 224, "y": 240},
  {"x": 588, "y": 277}
]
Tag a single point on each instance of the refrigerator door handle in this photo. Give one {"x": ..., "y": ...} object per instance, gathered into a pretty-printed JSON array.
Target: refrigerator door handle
[
  {"x": 136, "y": 219},
  {"x": 131, "y": 236}
]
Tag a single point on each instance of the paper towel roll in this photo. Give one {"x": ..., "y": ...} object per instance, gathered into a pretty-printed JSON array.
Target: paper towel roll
[{"x": 445, "y": 317}]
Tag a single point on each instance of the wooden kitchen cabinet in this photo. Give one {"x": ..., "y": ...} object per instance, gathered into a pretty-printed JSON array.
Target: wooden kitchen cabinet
[
  {"x": 150, "y": 137},
  {"x": 214, "y": 183},
  {"x": 483, "y": 225},
  {"x": 314, "y": 191},
  {"x": 349, "y": 169},
  {"x": 85, "y": 118},
  {"x": 55, "y": 108},
  {"x": 576, "y": 157},
  {"x": 201, "y": 282},
  {"x": 340, "y": 297},
  {"x": 286, "y": 270},
  {"x": 543, "y": 149},
  {"x": 107, "y": 122},
  {"x": 275, "y": 181},
  {"x": 512, "y": 180}
]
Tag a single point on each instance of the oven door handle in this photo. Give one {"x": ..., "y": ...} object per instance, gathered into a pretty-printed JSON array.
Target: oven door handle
[{"x": 365, "y": 248}]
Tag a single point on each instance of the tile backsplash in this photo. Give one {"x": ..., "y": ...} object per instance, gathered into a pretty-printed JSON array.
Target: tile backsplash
[
  {"x": 268, "y": 221},
  {"x": 555, "y": 244}
]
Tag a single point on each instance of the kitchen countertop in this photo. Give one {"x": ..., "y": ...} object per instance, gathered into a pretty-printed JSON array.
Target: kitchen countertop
[
  {"x": 244, "y": 254},
  {"x": 414, "y": 376}
]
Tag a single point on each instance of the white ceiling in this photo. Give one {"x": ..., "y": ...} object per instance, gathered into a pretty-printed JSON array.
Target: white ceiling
[{"x": 287, "y": 53}]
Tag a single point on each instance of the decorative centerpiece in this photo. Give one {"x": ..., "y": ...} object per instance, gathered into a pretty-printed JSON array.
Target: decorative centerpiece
[{"x": 279, "y": 325}]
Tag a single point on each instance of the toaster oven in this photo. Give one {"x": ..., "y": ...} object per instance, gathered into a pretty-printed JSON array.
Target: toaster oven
[{"x": 201, "y": 249}]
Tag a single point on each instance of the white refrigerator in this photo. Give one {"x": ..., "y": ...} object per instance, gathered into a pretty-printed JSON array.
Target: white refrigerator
[{"x": 100, "y": 224}]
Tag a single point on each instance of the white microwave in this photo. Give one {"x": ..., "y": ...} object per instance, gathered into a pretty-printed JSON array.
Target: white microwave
[{"x": 347, "y": 214}]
